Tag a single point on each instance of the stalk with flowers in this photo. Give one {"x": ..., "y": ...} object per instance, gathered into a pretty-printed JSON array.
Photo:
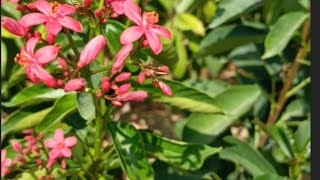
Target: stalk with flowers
[{"x": 97, "y": 79}]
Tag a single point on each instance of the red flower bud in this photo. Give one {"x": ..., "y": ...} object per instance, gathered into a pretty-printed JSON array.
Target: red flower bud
[
  {"x": 165, "y": 89},
  {"x": 123, "y": 89},
  {"x": 136, "y": 96},
  {"x": 77, "y": 85},
  {"x": 141, "y": 77},
  {"x": 123, "y": 77}
]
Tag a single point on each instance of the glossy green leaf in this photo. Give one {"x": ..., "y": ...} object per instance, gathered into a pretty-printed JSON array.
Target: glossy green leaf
[
  {"x": 279, "y": 136},
  {"x": 168, "y": 55},
  {"x": 34, "y": 95},
  {"x": 189, "y": 22},
  {"x": 180, "y": 154},
  {"x": 234, "y": 102},
  {"x": 23, "y": 119},
  {"x": 189, "y": 98},
  {"x": 3, "y": 59},
  {"x": 269, "y": 177},
  {"x": 180, "y": 68},
  {"x": 86, "y": 106},
  {"x": 241, "y": 153},
  {"x": 302, "y": 135},
  {"x": 129, "y": 147},
  {"x": 212, "y": 87},
  {"x": 230, "y": 9},
  {"x": 17, "y": 75},
  {"x": 227, "y": 37},
  {"x": 281, "y": 33},
  {"x": 113, "y": 30},
  {"x": 63, "y": 106}
]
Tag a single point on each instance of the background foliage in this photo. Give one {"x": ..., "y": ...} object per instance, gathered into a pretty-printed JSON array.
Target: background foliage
[{"x": 240, "y": 73}]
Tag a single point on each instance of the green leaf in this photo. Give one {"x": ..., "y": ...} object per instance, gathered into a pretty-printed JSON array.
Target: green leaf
[
  {"x": 230, "y": 9},
  {"x": 234, "y": 102},
  {"x": 189, "y": 22},
  {"x": 227, "y": 37},
  {"x": 34, "y": 95},
  {"x": 63, "y": 106},
  {"x": 212, "y": 88},
  {"x": 304, "y": 3},
  {"x": 269, "y": 176},
  {"x": 189, "y": 99},
  {"x": 180, "y": 154},
  {"x": 279, "y": 136},
  {"x": 113, "y": 30},
  {"x": 281, "y": 33},
  {"x": 180, "y": 68},
  {"x": 129, "y": 147},
  {"x": 17, "y": 75},
  {"x": 168, "y": 5},
  {"x": 302, "y": 135},
  {"x": 3, "y": 59},
  {"x": 86, "y": 106},
  {"x": 241, "y": 153},
  {"x": 168, "y": 55},
  {"x": 184, "y": 5},
  {"x": 23, "y": 119}
]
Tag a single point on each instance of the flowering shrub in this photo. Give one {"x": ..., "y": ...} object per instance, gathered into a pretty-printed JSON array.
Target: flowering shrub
[{"x": 79, "y": 74}]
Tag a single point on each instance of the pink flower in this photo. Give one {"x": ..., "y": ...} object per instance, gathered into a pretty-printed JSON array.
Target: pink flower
[
  {"x": 91, "y": 51},
  {"x": 54, "y": 15},
  {"x": 60, "y": 146},
  {"x": 77, "y": 85},
  {"x": 5, "y": 163},
  {"x": 127, "y": 7},
  {"x": 146, "y": 26},
  {"x": 17, "y": 146},
  {"x": 121, "y": 57},
  {"x": 34, "y": 62},
  {"x": 14, "y": 27}
]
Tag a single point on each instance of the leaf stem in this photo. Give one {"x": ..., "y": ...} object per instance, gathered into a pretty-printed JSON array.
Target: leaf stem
[
  {"x": 298, "y": 87},
  {"x": 73, "y": 45}
]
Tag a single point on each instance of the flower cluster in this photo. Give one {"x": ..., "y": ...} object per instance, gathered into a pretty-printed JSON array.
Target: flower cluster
[
  {"x": 34, "y": 150},
  {"x": 58, "y": 18}
]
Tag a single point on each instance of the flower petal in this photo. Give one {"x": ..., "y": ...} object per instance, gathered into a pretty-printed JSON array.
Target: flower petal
[
  {"x": 161, "y": 31},
  {"x": 59, "y": 135},
  {"x": 46, "y": 54},
  {"x": 6, "y": 162},
  {"x": 70, "y": 141},
  {"x": 14, "y": 26},
  {"x": 131, "y": 34},
  {"x": 66, "y": 9},
  {"x": 32, "y": 19},
  {"x": 50, "y": 143},
  {"x": 133, "y": 12},
  {"x": 45, "y": 77},
  {"x": 53, "y": 27},
  {"x": 71, "y": 23},
  {"x": 3, "y": 154},
  {"x": 91, "y": 50},
  {"x": 30, "y": 74},
  {"x": 66, "y": 152},
  {"x": 31, "y": 44},
  {"x": 53, "y": 154},
  {"x": 117, "y": 7},
  {"x": 154, "y": 42},
  {"x": 44, "y": 7}
]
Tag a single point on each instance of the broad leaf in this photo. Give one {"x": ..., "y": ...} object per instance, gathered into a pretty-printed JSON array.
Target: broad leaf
[
  {"x": 23, "y": 119},
  {"x": 180, "y": 154},
  {"x": 3, "y": 59},
  {"x": 234, "y": 102},
  {"x": 63, "y": 106},
  {"x": 241, "y": 153},
  {"x": 302, "y": 135},
  {"x": 180, "y": 68},
  {"x": 281, "y": 33},
  {"x": 227, "y": 37},
  {"x": 34, "y": 95},
  {"x": 279, "y": 136},
  {"x": 269, "y": 176},
  {"x": 86, "y": 106},
  {"x": 113, "y": 30},
  {"x": 189, "y": 22},
  {"x": 230, "y": 9},
  {"x": 129, "y": 147},
  {"x": 184, "y": 5}
]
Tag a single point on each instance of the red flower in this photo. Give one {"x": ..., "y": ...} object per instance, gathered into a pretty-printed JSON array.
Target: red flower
[
  {"x": 34, "y": 62},
  {"x": 54, "y": 15},
  {"x": 5, "y": 163},
  {"x": 146, "y": 26}
]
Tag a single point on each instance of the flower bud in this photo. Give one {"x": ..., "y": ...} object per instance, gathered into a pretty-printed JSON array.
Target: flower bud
[
  {"x": 164, "y": 69},
  {"x": 116, "y": 103},
  {"x": 63, "y": 164},
  {"x": 121, "y": 57},
  {"x": 98, "y": 13},
  {"x": 63, "y": 64},
  {"x": 99, "y": 95},
  {"x": 86, "y": 3},
  {"x": 141, "y": 77},
  {"x": 136, "y": 96},
  {"x": 51, "y": 38},
  {"x": 123, "y": 77},
  {"x": 105, "y": 84},
  {"x": 165, "y": 89},
  {"x": 123, "y": 89},
  {"x": 16, "y": 146},
  {"x": 14, "y": 27},
  {"x": 77, "y": 85}
]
